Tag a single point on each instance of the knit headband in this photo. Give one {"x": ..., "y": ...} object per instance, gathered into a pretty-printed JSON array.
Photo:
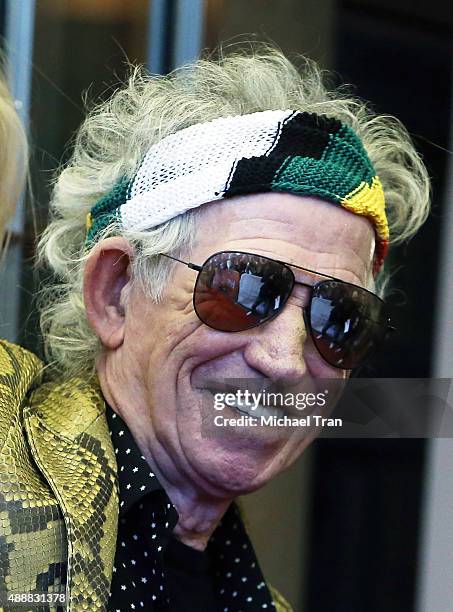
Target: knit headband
[{"x": 290, "y": 151}]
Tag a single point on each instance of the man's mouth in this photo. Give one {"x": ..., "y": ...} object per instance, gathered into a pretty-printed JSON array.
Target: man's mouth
[
  {"x": 240, "y": 405},
  {"x": 256, "y": 410}
]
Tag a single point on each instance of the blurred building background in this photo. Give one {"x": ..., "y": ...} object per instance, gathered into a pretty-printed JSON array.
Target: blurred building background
[{"x": 355, "y": 525}]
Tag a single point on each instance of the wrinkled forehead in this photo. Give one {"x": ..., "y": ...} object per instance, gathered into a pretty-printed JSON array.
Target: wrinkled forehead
[{"x": 303, "y": 230}]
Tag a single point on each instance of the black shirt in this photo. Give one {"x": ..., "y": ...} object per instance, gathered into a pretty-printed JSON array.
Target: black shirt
[{"x": 155, "y": 571}]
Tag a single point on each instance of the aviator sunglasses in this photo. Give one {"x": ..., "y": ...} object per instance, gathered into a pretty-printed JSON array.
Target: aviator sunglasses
[{"x": 235, "y": 291}]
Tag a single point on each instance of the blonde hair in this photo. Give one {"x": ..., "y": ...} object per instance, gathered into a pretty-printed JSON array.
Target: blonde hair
[
  {"x": 13, "y": 157},
  {"x": 116, "y": 134}
]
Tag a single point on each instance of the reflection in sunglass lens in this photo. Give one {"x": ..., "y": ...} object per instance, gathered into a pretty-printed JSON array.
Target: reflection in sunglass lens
[
  {"x": 237, "y": 291},
  {"x": 346, "y": 322}
]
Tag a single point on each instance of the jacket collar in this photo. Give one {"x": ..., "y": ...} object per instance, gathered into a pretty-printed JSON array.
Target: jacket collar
[{"x": 67, "y": 430}]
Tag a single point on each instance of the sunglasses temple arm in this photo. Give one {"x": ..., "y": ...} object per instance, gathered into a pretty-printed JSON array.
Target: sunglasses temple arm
[{"x": 192, "y": 266}]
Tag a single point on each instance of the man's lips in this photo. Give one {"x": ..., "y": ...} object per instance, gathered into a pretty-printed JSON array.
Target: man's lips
[{"x": 251, "y": 407}]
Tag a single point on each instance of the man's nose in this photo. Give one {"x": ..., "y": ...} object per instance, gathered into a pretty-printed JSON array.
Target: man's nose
[{"x": 276, "y": 348}]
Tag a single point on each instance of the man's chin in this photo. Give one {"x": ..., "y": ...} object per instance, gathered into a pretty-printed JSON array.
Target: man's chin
[
  {"x": 236, "y": 484},
  {"x": 232, "y": 471},
  {"x": 230, "y": 454}
]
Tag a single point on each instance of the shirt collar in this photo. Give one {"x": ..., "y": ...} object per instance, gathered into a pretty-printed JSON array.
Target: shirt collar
[
  {"x": 229, "y": 546},
  {"x": 135, "y": 477}
]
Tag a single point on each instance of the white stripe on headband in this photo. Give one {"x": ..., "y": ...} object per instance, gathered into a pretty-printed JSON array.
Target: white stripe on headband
[{"x": 194, "y": 165}]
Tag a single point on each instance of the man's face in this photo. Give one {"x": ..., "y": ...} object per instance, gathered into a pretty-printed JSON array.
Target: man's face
[{"x": 170, "y": 364}]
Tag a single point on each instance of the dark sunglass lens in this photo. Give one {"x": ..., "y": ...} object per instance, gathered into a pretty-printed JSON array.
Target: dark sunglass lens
[
  {"x": 237, "y": 291},
  {"x": 346, "y": 323}
]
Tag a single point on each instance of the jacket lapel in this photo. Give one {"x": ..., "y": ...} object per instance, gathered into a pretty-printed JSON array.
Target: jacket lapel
[
  {"x": 33, "y": 538},
  {"x": 68, "y": 435}
]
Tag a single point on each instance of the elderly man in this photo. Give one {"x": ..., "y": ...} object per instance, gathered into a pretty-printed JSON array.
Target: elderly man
[{"x": 225, "y": 223}]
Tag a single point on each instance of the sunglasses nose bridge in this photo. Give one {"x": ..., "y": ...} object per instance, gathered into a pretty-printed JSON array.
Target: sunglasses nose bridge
[{"x": 300, "y": 295}]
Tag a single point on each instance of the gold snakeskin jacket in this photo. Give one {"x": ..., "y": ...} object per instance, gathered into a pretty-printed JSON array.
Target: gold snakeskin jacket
[{"x": 58, "y": 485}]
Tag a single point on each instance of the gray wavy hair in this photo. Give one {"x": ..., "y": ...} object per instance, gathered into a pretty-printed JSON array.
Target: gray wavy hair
[{"x": 117, "y": 133}]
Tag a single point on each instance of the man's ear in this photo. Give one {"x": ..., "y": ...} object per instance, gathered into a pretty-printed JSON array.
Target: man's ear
[{"x": 105, "y": 284}]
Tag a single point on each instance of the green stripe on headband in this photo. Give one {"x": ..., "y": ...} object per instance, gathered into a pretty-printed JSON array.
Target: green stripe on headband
[{"x": 107, "y": 210}]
